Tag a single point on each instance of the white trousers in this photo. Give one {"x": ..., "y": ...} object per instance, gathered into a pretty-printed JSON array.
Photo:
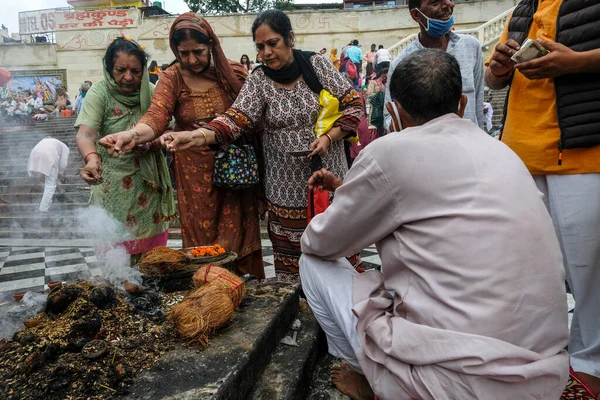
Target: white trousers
[
  {"x": 328, "y": 289},
  {"x": 50, "y": 182},
  {"x": 574, "y": 204}
]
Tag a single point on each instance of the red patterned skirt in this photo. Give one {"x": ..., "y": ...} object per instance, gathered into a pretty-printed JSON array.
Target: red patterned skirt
[{"x": 286, "y": 226}]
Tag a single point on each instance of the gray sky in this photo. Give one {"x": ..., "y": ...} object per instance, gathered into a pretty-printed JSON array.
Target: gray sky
[{"x": 11, "y": 8}]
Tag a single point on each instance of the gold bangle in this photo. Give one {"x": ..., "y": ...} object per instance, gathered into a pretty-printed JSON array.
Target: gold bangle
[
  {"x": 330, "y": 139},
  {"x": 204, "y": 134}
]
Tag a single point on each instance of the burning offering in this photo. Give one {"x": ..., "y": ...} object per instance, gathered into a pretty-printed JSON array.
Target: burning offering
[{"x": 91, "y": 341}]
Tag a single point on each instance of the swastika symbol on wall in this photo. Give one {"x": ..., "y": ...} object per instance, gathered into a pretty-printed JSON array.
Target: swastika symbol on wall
[{"x": 324, "y": 23}]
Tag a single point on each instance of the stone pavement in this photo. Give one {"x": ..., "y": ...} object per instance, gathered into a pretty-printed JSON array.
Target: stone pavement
[{"x": 31, "y": 264}]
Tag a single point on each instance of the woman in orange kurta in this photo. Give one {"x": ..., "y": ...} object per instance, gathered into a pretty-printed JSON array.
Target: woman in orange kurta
[{"x": 202, "y": 84}]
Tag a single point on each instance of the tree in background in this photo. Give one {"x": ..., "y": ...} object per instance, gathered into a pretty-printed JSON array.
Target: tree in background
[{"x": 237, "y": 6}]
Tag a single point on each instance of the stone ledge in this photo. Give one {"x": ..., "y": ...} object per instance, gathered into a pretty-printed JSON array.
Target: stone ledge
[
  {"x": 231, "y": 365},
  {"x": 288, "y": 375}
]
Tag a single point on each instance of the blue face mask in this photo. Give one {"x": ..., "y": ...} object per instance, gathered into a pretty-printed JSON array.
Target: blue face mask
[{"x": 436, "y": 27}]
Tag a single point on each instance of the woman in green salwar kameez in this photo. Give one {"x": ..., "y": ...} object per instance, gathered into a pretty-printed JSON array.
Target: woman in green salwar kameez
[{"x": 135, "y": 188}]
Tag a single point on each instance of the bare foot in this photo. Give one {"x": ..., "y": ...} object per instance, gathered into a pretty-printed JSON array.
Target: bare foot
[
  {"x": 350, "y": 382},
  {"x": 592, "y": 381}
]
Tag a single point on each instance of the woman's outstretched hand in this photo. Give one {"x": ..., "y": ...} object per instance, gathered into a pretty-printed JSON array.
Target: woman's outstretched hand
[
  {"x": 175, "y": 141},
  {"x": 118, "y": 143},
  {"x": 323, "y": 178}
]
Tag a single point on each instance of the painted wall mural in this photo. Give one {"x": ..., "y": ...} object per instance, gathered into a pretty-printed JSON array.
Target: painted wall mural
[{"x": 41, "y": 83}]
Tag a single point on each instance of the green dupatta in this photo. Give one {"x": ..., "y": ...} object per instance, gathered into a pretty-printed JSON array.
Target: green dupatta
[{"x": 153, "y": 165}]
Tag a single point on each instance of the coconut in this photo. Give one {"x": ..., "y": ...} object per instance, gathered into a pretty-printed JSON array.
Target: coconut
[
  {"x": 225, "y": 278},
  {"x": 61, "y": 297},
  {"x": 202, "y": 312}
]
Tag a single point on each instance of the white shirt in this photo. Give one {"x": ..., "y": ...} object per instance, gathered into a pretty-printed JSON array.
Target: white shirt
[
  {"x": 35, "y": 102},
  {"x": 467, "y": 51},
  {"x": 382, "y": 55},
  {"x": 487, "y": 115},
  {"x": 47, "y": 153}
]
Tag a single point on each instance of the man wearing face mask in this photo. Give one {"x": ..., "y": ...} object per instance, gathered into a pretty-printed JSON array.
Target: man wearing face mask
[{"x": 436, "y": 20}]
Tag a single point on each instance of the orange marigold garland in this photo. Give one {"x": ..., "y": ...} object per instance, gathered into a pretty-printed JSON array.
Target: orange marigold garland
[{"x": 207, "y": 251}]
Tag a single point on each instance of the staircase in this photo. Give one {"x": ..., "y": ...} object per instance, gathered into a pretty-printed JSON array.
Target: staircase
[
  {"x": 20, "y": 195},
  {"x": 497, "y": 98}
]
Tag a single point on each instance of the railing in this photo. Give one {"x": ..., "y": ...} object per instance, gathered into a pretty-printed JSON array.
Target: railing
[{"x": 486, "y": 33}]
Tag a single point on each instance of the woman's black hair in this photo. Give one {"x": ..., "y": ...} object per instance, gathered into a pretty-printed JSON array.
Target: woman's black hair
[
  {"x": 247, "y": 63},
  {"x": 277, "y": 21},
  {"x": 119, "y": 46},
  {"x": 153, "y": 66},
  {"x": 382, "y": 72},
  {"x": 185, "y": 34}
]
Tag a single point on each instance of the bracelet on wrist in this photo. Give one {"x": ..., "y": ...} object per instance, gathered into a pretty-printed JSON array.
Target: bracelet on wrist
[
  {"x": 203, "y": 135},
  {"x": 90, "y": 153},
  {"x": 330, "y": 139}
]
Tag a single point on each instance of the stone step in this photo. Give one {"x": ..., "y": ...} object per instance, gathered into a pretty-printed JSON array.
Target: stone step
[
  {"x": 22, "y": 173},
  {"x": 321, "y": 387},
  {"x": 61, "y": 198},
  {"x": 55, "y": 234},
  {"x": 289, "y": 373},
  {"x": 20, "y": 160},
  {"x": 39, "y": 220},
  {"x": 58, "y": 133},
  {"x": 236, "y": 356},
  {"x": 17, "y": 210},
  {"x": 39, "y": 188},
  {"x": 44, "y": 233},
  {"x": 25, "y": 149},
  {"x": 27, "y": 180}
]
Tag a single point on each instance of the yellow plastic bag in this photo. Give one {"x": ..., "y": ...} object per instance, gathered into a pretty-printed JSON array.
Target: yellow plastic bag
[{"x": 329, "y": 114}]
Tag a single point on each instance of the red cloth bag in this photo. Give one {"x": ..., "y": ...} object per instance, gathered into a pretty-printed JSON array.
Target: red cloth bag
[{"x": 317, "y": 201}]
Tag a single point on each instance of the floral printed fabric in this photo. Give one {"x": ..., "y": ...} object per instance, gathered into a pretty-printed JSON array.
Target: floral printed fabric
[
  {"x": 124, "y": 194},
  {"x": 289, "y": 117},
  {"x": 236, "y": 167},
  {"x": 208, "y": 214},
  {"x": 576, "y": 389}
]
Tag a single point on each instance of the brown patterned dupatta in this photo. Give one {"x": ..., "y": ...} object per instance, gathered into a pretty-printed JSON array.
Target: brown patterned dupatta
[{"x": 222, "y": 70}]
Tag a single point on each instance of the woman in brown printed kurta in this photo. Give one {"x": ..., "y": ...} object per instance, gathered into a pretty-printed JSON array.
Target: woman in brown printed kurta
[
  {"x": 208, "y": 214},
  {"x": 288, "y": 108}
]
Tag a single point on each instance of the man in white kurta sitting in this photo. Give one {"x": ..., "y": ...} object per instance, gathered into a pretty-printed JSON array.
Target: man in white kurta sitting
[
  {"x": 470, "y": 303},
  {"x": 48, "y": 159}
]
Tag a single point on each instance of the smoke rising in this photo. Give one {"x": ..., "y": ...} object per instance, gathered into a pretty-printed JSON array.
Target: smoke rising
[{"x": 106, "y": 234}]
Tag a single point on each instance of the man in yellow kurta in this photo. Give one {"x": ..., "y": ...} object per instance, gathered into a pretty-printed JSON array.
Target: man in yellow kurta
[{"x": 553, "y": 124}]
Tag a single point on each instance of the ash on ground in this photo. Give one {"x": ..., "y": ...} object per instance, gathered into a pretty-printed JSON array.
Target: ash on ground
[{"x": 90, "y": 342}]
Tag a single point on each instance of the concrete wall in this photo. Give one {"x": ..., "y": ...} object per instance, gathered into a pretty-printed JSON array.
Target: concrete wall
[
  {"x": 27, "y": 57},
  {"x": 80, "y": 52}
]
